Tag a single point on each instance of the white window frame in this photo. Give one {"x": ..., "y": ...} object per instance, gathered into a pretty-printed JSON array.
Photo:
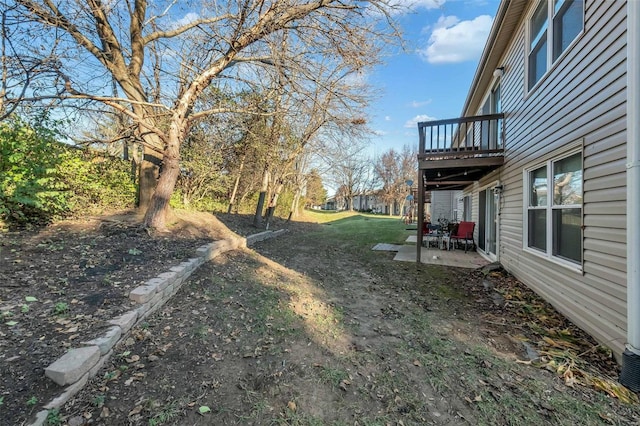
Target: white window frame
[
  {"x": 550, "y": 40},
  {"x": 549, "y": 208}
]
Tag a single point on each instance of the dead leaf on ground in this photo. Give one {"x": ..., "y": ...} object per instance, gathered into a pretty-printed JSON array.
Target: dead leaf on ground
[
  {"x": 136, "y": 410},
  {"x": 104, "y": 413},
  {"x": 614, "y": 390},
  {"x": 133, "y": 358}
]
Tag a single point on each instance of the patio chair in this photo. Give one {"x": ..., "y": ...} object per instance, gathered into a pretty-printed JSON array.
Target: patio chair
[
  {"x": 425, "y": 227},
  {"x": 464, "y": 233},
  {"x": 431, "y": 233}
]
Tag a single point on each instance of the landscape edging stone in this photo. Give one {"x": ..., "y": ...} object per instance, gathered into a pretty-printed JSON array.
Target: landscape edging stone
[{"x": 155, "y": 291}]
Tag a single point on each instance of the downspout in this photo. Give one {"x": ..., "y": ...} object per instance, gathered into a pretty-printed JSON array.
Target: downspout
[{"x": 630, "y": 375}]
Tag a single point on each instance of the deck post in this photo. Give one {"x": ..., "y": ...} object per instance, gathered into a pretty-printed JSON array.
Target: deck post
[{"x": 420, "y": 215}]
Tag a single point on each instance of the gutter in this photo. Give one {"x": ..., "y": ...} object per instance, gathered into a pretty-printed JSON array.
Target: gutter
[{"x": 630, "y": 375}]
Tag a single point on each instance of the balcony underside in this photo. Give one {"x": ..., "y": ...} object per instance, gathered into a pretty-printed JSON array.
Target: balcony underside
[
  {"x": 457, "y": 152},
  {"x": 440, "y": 171}
]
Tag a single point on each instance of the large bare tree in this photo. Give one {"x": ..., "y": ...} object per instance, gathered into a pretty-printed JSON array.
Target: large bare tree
[
  {"x": 392, "y": 170},
  {"x": 163, "y": 55},
  {"x": 350, "y": 171}
]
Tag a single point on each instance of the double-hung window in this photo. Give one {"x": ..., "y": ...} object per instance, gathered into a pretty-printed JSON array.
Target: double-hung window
[
  {"x": 552, "y": 27},
  {"x": 554, "y": 208}
]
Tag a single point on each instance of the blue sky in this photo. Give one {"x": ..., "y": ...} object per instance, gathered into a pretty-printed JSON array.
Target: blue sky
[{"x": 430, "y": 80}]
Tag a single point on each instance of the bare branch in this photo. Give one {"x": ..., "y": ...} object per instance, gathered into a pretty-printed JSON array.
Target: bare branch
[
  {"x": 178, "y": 31},
  {"x": 56, "y": 19}
]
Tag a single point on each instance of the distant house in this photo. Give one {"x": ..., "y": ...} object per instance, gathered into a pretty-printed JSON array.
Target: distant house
[
  {"x": 362, "y": 202},
  {"x": 371, "y": 202},
  {"x": 330, "y": 204},
  {"x": 547, "y": 156}
]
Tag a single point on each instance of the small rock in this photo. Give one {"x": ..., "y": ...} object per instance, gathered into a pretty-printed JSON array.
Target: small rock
[
  {"x": 532, "y": 354},
  {"x": 153, "y": 358},
  {"x": 394, "y": 333},
  {"x": 76, "y": 421},
  {"x": 497, "y": 298}
]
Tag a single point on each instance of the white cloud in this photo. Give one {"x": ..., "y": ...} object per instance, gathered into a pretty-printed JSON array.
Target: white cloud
[
  {"x": 418, "y": 4},
  {"x": 413, "y": 123},
  {"x": 387, "y": 118},
  {"x": 380, "y": 133},
  {"x": 186, "y": 19},
  {"x": 454, "y": 41},
  {"x": 401, "y": 7},
  {"x": 418, "y": 104}
]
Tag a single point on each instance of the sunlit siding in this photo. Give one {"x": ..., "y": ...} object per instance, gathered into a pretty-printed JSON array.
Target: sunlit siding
[{"x": 581, "y": 101}]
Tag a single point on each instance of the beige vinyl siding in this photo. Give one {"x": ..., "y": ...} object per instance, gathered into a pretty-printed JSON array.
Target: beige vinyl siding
[{"x": 580, "y": 101}]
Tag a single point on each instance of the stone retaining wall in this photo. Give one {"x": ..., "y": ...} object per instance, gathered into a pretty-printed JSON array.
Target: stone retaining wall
[{"x": 78, "y": 365}]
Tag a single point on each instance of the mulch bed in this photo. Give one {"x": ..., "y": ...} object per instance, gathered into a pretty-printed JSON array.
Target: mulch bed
[{"x": 60, "y": 285}]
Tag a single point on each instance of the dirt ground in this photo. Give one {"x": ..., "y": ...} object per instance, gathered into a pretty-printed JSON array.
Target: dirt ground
[{"x": 300, "y": 329}]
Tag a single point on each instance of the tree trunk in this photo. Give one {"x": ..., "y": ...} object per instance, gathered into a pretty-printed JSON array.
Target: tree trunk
[
  {"x": 235, "y": 186},
  {"x": 268, "y": 196},
  {"x": 293, "y": 211},
  {"x": 150, "y": 166},
  {"x": 148, "y": 177},
  {"x": 273, "y": 204},
  {"x": 257, "y": 219},
  {"x": 156, "y": 214}
]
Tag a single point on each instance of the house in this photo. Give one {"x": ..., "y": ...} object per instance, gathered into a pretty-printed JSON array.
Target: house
[
  {"x": 547, "y": 154},
  {"x": 366, "y": 201},
  {"x": 329, "y": 204}
]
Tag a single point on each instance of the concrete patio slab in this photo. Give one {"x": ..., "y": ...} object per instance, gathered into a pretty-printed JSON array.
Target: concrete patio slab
[
  {"x": 386, "y": 247},
  {"x": 434, "y": 256}
]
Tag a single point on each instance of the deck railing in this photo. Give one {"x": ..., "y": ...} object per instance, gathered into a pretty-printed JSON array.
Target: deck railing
[{"x": 462, "y": 137}]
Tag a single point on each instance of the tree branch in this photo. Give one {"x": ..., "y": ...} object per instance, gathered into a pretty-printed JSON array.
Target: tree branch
[
  {"x": 201, "y": 114},
  {"x": 57, "y": 19},
  {"x": 176, "y": 32}
]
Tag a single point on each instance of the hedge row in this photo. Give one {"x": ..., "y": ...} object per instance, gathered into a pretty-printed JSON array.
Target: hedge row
[{"x": 42, "y": 179}]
